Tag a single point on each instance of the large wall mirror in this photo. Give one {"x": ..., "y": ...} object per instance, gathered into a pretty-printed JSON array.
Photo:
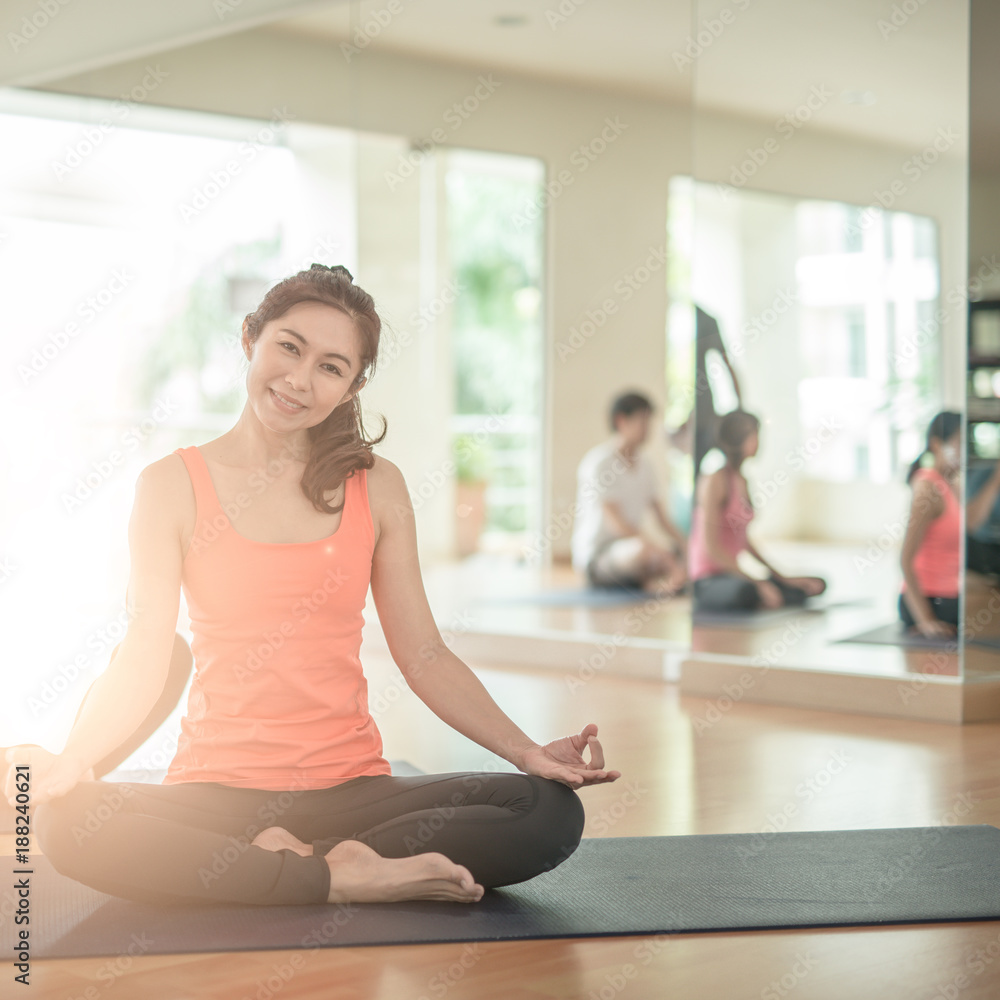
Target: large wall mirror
[
  {"x": 830, "y": 248},
  {"x": 593, "y": 94}
]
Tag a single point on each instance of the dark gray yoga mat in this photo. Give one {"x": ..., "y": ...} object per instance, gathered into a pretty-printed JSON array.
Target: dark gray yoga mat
[
  {"x": 591, "y": 597},
  {"x": 895, "y": 634},
  {"x": 608, "y": 886},
  {"x": 766, "y": 617}
]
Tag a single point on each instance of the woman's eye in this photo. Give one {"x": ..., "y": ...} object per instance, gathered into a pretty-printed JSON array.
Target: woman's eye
[{"x": 330, "y": 368}]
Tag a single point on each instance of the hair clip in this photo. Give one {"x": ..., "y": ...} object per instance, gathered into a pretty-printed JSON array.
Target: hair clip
[{"x": 336, "y": 269}]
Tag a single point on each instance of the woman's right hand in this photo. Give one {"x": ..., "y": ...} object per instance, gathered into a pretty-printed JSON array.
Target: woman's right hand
[
  {"x": 51, "y": 775},
  {"x": 936, "y": 629},
  {"x": 770, "y": 595}
]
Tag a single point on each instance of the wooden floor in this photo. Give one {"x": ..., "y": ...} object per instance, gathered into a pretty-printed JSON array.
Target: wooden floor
[{"x": 680, "y": 775}]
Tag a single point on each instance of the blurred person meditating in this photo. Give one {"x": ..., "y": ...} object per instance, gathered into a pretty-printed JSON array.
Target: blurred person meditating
[
  {"x": 931, "y": 553},
  {"x": 719, "y": 522},
  {"x": 616, "y": 485}
]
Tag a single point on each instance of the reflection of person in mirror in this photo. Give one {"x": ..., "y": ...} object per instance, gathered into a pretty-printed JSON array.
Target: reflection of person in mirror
[
  {"x": 928, "y": 601},
  {"x": 278, "y": 792},
  {"x": 706, "y": 418},
  {"x": 982, "y": 520},
  {"x": 615, "y": 487},
  {"x": 719, "y": 522}
]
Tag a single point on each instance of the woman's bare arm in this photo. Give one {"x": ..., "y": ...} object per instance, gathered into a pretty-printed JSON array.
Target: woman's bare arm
[
  {"x": 977, "y": 510},
  {"x": 926, "y": 505},
  {"x": 616, "y": 519},
  {"x": 123, "y": 695},
  {"x": 751, "y": 548},
  {"x": 436, "y": 675},
  {"x": 670, "y": 527}
]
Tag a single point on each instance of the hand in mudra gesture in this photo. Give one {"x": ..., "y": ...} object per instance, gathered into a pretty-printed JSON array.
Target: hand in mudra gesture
[{"x": 563, "y": 761}]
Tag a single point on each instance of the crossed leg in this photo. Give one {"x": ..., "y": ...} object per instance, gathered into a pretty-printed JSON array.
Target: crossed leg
[
  {"x": 633, "y": 561},
  {"x": 359, "y": 875},
  {"x": 377, "y": 837}
]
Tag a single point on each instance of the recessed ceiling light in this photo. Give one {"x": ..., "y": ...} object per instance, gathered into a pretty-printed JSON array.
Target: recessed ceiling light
[
  {"x": 857, "y": 97},
  {"x": 510, "y": 20}
]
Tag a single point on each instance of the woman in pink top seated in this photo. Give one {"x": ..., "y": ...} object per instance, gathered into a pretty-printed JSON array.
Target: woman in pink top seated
[
  {"x": 930, "y": 559},
  {"x": 278, "y": 792},
  {"x": 719, "y": 534}
]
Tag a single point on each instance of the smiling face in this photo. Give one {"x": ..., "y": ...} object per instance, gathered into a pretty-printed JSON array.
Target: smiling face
[{"x": 310, "y": 356}]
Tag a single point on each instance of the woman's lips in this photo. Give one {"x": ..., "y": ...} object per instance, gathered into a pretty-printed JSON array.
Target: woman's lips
[{"x": 281, "y": 404}]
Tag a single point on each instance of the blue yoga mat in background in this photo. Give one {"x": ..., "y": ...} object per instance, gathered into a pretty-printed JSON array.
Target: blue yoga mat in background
[{"x": 592, "y": 597}]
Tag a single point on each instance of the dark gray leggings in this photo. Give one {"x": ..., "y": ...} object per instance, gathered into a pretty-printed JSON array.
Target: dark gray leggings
[
  {"x": 191, "y": 841},
  {"x": 731, "y": 592}
]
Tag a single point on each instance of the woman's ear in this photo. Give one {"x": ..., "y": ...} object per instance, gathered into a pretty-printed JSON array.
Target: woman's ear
[
  {"x": 245, "y": 342},
  {"x": 361, "y": 381}
]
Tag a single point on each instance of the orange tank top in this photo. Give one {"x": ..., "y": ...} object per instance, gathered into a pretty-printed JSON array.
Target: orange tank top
[
  {"x": 278, "y": 700},
  {"x": 736, "y": 516},
  {"x": 937, "y": 563}
]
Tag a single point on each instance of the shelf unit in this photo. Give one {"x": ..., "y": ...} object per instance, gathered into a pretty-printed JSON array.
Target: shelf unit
[{"x": 983, "y": 386}]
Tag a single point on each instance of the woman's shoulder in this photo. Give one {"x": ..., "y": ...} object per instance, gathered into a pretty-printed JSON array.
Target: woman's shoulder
[
  {"x": 719, "y": 479},
  {"x": 168, "y": 472},
  {"x": 385, "y": 483},
  {"x": 169, "y": 478},
  {"x": 382, "y": 469},
  {"x": 929, "y": 489},
  {"x": 164, "y": 493},
  {"x": 928, "y": 478},
  {"x": 387, "y": 493}
]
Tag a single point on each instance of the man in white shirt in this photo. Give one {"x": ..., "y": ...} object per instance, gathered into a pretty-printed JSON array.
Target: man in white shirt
[{"x": 615, "y": 485}]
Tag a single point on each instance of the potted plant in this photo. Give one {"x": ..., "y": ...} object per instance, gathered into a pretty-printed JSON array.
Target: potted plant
[{"x": 472, "y": 469}]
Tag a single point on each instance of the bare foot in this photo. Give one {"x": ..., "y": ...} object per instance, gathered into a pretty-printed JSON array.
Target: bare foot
[
  {"x": 360, "y": 875},
  {"x": 277, "y": 838}
]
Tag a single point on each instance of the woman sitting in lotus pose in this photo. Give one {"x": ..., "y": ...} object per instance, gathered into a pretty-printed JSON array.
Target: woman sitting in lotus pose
[{"x": 278, "y": 791}]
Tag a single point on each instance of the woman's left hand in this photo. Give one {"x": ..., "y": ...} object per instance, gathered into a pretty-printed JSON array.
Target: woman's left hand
[
  {"x": 810, "y": 584},
  {"x": 563, "y": 760}
]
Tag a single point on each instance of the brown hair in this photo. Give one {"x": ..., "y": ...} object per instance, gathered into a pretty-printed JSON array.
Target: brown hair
[
  {"x": 734, "y": 428},
  {"x": 338, "y": 446},
  {"x": 943, "y": 426},
  {"x": 627, "y": 404}
]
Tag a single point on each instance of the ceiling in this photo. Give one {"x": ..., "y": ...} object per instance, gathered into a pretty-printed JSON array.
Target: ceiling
[
  {"x": 762, "y": 64},
  {"x": 894, "y": 83}
]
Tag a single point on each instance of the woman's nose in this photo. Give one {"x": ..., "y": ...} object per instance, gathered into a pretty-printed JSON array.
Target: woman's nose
[{"x": 298, "y": 377}]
